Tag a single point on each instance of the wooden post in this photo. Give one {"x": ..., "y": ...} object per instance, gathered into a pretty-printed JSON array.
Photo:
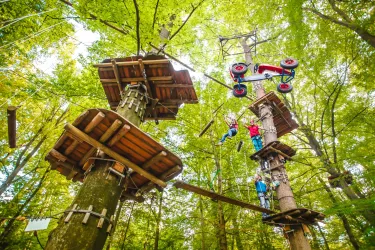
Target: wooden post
[
  {"x": 12, "y": 123},
  {"x": 297, "y": 239},
  {"x": 103, "y": 197}
]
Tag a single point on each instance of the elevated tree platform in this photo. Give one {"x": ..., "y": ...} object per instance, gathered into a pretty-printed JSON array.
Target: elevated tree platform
[
  {"x": 150, "y": 163},
  {"x": 167, "y": 88},
  {"x": 282, "y": 118},
  {"x": 274, "y": 147},
  {"x": 294, "y": 216},
  {"x": 215, "y": 196}
]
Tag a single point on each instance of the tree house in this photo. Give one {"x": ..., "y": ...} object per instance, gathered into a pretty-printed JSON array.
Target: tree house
[
  {"x": 168, "y": 89},
  {"x": 140, "y": 162}
]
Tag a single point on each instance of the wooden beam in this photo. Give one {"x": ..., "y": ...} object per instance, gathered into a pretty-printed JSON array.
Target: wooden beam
[
  {"x": 111, "y": 130},
  {"x": 12, "y": 125},
  {"x": 57, "y": 155},
  {"x": 130, "y": 63},
  {"x": 94, "y": 122},
  {"x": 81, "y": 118},
  {"x": 280, "y": 152},
  {"x": 143, "y": 72},
  {"x": 137, "y": 79},
  {"x": 165, "y": 177},
  {"x": 117, "y": 74},
  {"x": 154, "y": 160},
  {"x": 119, "y": 135},
  {"x": 212, "y": 195},
  {"x": 206, "y": 128},
  {"x": 71, "y": 147},
  {"x": 173, "y": 86},
  {"x": 60, "y": 141},
  {"x": 113, "y": 154},
  {"x": 87, "y": 156}
]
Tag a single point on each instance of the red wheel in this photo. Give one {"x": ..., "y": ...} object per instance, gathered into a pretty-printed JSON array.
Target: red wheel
[
  {"x": 239, "y": 68},
  {"x": 289, "y": 63},
  {"x": 284, "y": 87},
  {"x": 239, "y": 91}
]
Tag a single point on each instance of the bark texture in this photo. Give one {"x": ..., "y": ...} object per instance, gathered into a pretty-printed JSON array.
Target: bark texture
[{"x": 101, "y": 190}]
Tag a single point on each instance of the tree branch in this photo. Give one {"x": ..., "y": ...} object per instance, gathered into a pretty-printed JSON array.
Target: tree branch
[
  {"x": 156, "y": 10},
  {"x": 137, "y": 28}
]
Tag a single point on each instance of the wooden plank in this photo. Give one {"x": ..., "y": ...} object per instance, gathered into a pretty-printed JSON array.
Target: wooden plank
[
  {"x": 165, "y": 177},
  {"x": 81, "y": 118},
  {"x": 71, "y": 147},
  {"x": 154, "y": 160},
  {"x": 117, "y": 74},
  {"x": 86, "y": 156},
  {"x": 87, "y": 215},
  {"x": 173, "y": 86},
  {"x": 113, "y": 154},
  {"x": 57, "y": 155},
  {"x": 111, "y": 130},
  {"x": 137, "y": 79},
  {"x": 206, "y": 128},
  {"x": 12, "y": 126},
  {"x": 125, "y": 129},
  {"x": 94, "y": 122},
  {"x": 130, "y": 63},
  {"x": 61, "y": 141},
  {"x": 101, "y": 220},
  {"x": 212, "y": 195},
  {"x": 70, "y": 213}
]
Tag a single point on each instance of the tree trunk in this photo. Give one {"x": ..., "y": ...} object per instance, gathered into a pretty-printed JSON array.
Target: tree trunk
[
  {"x": 158, "y": 219},
  {"x": 314, "y": 144},
  {"x": 324, "y": 237},
  {"x": 223, "y": 244},
  {"x": 100, "y": 190},
  {"x": 343, "y": 218},
  {"x": 127, "y": 227},
  {"x": 284, "y": 193},
  {"x": 237, "y": 234},
  {"x": 202, "y": 224}
]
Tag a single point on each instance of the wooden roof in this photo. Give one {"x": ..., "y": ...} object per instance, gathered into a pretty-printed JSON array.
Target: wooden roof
[
  {"x": 119, "y": 139},
  {"x": 170, "y": 87},
  {"x": 274, "y": 147},
  {"x": 294, "y": 216},
  {"x": 282, "y": 118}
]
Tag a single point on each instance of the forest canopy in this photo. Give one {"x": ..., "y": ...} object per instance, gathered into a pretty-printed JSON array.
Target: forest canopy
[{"x": 47, "y": 52}]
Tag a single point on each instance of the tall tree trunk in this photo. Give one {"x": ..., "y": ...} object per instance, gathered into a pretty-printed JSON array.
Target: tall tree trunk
[
  {"x": 237, "y": 234},
  {"x": 127, "y": 227},
  {"x": 202, "y": 224},
  {"x": 118, "y": 212},
  {"x": 223, "y": 244},
  {"x": 343, "y": 218},
  {"x": 284, "y": 193},
  {"x": 369, "y": 214},
  {"x": 100, "y": 190},
  {"x": 158, "y": 219},
  {"x": 7, "y": 229}
]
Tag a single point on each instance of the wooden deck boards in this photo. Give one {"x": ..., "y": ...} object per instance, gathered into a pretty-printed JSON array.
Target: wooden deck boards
[
  {"x": 276, "y": 147},
  {"x": 135, "y": 146},
  {"x": 282, "y": 118},
  {"x": 294, "y": 216}
]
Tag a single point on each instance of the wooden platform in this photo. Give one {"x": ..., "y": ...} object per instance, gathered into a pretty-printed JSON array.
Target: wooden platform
[
  {"x": 294, "y": 216},
  {"x": 276, "y": 147},
  {"x": 215, "y": 196},
  {"x": 282, "y": 118},
  {"x": 171, "y": 88},
  {"x": 119, "y": 139}
]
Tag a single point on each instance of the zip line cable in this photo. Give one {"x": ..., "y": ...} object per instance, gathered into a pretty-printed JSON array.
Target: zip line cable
[
  {"x": 24, "y": 39},
  {"x": 21, "y": 18}
]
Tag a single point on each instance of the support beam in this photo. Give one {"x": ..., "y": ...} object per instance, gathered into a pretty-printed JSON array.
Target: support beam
[
  {"x": 119, "y": 135},
  {"x": 137, "y": 79},
  {"x": 154, "y": 160},
  {"x": 12, "y": 126},
  {"x": 131, "y": 63},
  {"x": 94, "y": 122},
  {"x": 114, "y": 155},
  {"x": 206, "y": 128},
  {"x": 117, "y": 75},
  {"x": 212, "y": 195}
]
